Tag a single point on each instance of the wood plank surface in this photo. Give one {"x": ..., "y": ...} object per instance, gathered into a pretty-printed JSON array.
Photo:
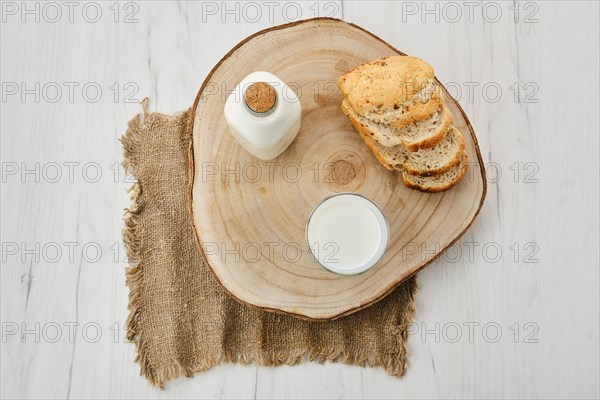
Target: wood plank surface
[{"x": 511, "y": 311}]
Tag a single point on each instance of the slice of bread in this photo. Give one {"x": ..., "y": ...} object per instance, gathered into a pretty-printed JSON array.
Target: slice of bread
[
  {"x": 378, "y": 150},
  {"x": 438, "y": 183},
  {"x": 395, "y": 90},
  {"x": 415, "y": 110},
  {"x": 438, "y": 159},
  {"x": 429, "y": 132},
  {"x": 418, "y": 135},
  {"x": 425, "y": 162},
  {"x": 435, "y": 160},
  {"x": 385, "y": 82},
  {"x": 394, "y": 157}
]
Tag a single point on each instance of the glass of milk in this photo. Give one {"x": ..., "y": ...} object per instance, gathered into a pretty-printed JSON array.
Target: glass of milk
[{"x": 347, "y": 233}]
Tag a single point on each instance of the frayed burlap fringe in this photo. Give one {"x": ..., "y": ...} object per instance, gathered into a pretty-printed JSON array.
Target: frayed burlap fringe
[
  {"x": 160, "y": 322},
  {"x": 132, "y": 240}
]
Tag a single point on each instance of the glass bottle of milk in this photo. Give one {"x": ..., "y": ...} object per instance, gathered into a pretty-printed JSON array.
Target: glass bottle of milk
[{"x": 263, "y": 114}]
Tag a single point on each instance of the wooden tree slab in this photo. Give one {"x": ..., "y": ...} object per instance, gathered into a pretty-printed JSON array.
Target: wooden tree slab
[{"x": 250, "y": 215}]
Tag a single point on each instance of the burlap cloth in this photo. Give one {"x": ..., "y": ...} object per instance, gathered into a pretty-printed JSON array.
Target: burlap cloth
[{"x": 183, "y": 322}]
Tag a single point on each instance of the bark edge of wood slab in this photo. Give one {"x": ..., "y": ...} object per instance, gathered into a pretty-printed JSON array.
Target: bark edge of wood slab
[{"x": 249, "y": 215}]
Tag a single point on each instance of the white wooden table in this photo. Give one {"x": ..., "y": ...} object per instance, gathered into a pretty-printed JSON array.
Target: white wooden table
[{"x": 510, "y": 312}]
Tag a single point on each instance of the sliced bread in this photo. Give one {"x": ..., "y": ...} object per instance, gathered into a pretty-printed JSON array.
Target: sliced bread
[
  {"x": 425, "y": 162},
  {"x": 428, "y": 101},
  {"x": 385, "y": 82},
  {"x": 395, "y": 90},
  {"x": 417, "y": 135},
  {"x": 379, "y": 151},
  {"x": 438, "y": 183},
  {"x": 435, "y": 160},
  {"x": 438, "y": 159}
]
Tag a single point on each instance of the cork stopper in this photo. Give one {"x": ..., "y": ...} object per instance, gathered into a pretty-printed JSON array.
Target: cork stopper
[{"x": 260, "y": 97}]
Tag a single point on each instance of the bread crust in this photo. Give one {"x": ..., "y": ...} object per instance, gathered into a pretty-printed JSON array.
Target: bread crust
[
  {"x": 464, "y": 164},
  {"x": 383, "y": 83}
]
